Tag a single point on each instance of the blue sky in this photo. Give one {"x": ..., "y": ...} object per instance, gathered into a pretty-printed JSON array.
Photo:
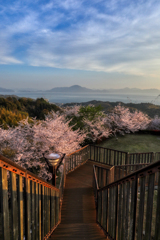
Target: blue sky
[{"x": 96, "y": 44}]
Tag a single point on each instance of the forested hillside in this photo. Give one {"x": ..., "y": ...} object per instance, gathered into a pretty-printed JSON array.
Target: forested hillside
[
  {"x": 148, "y": 108},
  {"x": 13, "y": 109}
]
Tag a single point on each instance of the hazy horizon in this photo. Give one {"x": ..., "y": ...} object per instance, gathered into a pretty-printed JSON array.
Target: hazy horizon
[{"x": 94, "y": 89}]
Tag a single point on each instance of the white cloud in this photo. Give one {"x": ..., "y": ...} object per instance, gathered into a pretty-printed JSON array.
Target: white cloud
[
  {"x": 112, "y": 36},
  {"x": 9, "y": 60}
]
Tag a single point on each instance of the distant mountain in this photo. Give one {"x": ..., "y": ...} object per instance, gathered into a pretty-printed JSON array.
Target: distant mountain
[
  {"x": 77, "y": 88},
  {"x": 6, "y": 90},
  {"x": 80, "y": 89},
  {"x": 135, "y": 90},
  {"x": 74, "y": 88}
]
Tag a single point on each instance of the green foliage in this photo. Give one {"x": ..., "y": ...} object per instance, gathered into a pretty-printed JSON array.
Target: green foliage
[
  {"x": 91, "y": 112},
  {"x": 38, "y": 108},
  {"x": 86, "y": 112},
  {"x": 13, "y": 110},
  {"x": 11, "y": 118},
  {"x": 148, "y": 108}
]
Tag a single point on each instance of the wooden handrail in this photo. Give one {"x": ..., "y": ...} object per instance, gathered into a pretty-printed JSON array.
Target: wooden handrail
[
  {"x": 77, "y": 151},
  {"x": 15, "y": 168}
]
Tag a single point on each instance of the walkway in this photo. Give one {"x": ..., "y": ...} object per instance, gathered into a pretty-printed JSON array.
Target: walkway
[{"x": 78, "y": 209}]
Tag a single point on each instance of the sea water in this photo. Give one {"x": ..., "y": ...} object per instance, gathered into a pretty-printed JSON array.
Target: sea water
[{"x": 69, "y": 97}]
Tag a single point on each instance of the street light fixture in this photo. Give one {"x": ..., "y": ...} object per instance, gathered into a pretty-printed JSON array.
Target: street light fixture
[{"x": 53, "y": 160}]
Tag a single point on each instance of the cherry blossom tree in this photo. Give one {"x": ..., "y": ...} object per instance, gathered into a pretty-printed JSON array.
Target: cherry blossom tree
[
  {"x": 154, "y": 124},
  {"x": 122, "y": 121},
  {"x": 28, "y": 141}
]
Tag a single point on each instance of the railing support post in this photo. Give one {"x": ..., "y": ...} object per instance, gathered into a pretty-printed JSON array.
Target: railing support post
[
  {"x": 54, "y": 176},
  {"x": 4, "y": 203}
]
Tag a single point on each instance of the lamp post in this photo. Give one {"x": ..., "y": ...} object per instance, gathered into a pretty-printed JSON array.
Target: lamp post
[{"x": 53, "y": 160}]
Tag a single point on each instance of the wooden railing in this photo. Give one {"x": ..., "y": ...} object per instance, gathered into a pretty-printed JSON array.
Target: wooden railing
[
  {"x": 29, "y": 207},
  {"x": 129, "y": 207},
  {"x": 107, "y": 156},
  {"x": 114, "y": 157},
  {"x": 120, "y": 171},
  {"x": 134, "y": 158},
  {"x": 77, "y": 158}
]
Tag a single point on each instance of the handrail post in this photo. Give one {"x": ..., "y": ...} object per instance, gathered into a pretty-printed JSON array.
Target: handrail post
[
  {"x": 54, "y": 176},
  {"x": 134, "y": 207},
  {"x": 4, "y": 203},
  {"x": 153, "y": 157},
  {"x": 27, "y": 207},
  {"x": 127, "y": 158}
]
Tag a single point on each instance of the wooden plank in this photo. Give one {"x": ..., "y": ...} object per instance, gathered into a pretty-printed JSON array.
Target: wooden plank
[
  {"x": 107, "y": 177},
  {"x": 109, "y": 211},
  {"x": 157, "y": 225},
  {"x": 36, "y": 211},
  {"x": 104, "y": 208},
  {"x": 43, "y": 212},
  {"x": 123, "y": 212},
  {"x": 141, "y": 209},
  {"x": 112, "y": 210},
  {"x": 40, "y": 211},
  {"x": 4, "y": 204},
  {"x": 99, "y": 207},
  {"x": 52, "y": 208},
  {"x": 149, "y": 207},
  {"x": 104, "y": 177},
  {"x": 114, "y": 158},
  {"x": 33, "y": 210},
  {"x": 133, "y": 209},
  {"x": 49, "y": 210},
  {"x": 97, "y": 154},
  {"x": 127, "y": 210},
  {"x": 14, "y": 210},
  {"x": 99, "y": 176},
  {"x": 104, "y": 156},
  {"x": 20, "y": 206},
  {"x": 116, "y": 211},
  {"x": 46, "y": 211},
  {"x": 109, "y": 156},
  {"x": 28, "y": 210},
  {"x": 57, "y": 206}
]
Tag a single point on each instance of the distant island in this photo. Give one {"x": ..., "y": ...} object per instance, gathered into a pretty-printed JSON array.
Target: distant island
[
  {"x": 6, "y": 90},
  {"x": 77, "y": 88},
  {"x": 74, "y": 88},
  {"x": 80, "y": 89}
]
